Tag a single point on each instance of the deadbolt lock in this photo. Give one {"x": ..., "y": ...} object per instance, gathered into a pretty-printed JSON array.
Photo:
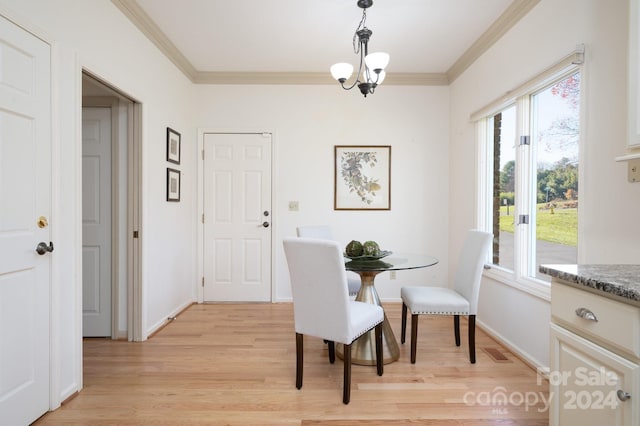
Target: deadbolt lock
[{"x": 42, "y": 222}]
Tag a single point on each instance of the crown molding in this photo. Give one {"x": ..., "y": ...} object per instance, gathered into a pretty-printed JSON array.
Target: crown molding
[
  {"x": 212, "y": 77},
  {"x": 132, "y": 10},
  {"x": 311, "y": 78},
  {"x": 516, "y": 11},
  {"x": 416, "y": 79}
]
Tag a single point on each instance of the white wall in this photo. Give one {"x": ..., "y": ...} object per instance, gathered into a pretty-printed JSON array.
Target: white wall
[
  {"x": 307, "y": 121},
  {"x": 607, "y": 230},
  {"x": 96, "y": 36}
]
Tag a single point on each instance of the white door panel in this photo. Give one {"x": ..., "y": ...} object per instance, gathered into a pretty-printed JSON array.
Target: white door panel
[
  {"x": 25, "y": 199},
  {"x": 237, "y": 200},
  {"x": 96, "y": 222}
]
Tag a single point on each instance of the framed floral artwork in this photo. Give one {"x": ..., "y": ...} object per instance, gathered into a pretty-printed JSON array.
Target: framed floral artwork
[
  {"x": 173, "y": 184},
  {"x": 173, "y": 146},
  {"x": 362, "y": 177}
]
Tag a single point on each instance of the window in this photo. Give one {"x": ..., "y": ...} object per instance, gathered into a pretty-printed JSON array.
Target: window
[
  {"x": 502, "y": 128},
  {"x": 529, "y": 160},
  {"x": 555, "y": 134}
]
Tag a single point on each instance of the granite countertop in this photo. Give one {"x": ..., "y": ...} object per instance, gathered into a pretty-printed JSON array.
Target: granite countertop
[{"x": 620, "y": 281}]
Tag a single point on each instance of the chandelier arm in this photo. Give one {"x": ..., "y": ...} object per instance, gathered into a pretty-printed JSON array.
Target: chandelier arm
[
  {"x": 357, "y": 74},
  {"x": 367, "y": 74}
]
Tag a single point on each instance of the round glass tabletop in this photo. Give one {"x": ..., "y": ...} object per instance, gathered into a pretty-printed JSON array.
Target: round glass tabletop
[{"x": 393, "y": 262}]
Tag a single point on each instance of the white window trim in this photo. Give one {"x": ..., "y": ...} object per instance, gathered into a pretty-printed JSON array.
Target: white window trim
[
  {"x": 565, "y": 66},
  {"x": 519, "y": 278}
]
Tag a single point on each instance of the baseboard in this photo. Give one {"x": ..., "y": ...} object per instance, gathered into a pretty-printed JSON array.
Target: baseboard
[
  {"x": 70, "y": 397},
  {"x": 515, "y": 349},
  {"x": 170, "y": 318}
]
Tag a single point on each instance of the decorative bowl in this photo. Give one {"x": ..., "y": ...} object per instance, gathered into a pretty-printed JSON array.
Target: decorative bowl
[{"x": 383, "y": 253}]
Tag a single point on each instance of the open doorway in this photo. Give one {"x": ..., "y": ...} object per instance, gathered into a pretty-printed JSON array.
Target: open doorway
[{"x": 110, "y": 211}]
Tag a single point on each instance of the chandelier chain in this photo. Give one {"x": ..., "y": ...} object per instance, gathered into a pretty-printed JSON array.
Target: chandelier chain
[{"x": 361, "y": 26}]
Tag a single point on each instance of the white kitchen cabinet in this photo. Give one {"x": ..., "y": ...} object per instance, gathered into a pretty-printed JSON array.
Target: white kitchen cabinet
[
  {"x": 595, "y": 359},
  {"x": 585, "y": 380}
]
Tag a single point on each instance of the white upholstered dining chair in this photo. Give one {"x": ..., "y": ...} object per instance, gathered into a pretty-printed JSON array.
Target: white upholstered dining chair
[
  {"x": 323, "y": 232},
  {"x": 322, "y": 307},
  {"x": 462, "y": 299}
]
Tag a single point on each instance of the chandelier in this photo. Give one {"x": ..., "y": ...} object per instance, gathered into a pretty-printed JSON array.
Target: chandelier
[{"x": 373, "y": 74}]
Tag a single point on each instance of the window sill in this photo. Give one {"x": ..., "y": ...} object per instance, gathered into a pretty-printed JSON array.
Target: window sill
[{"x": 537, "y": 288}]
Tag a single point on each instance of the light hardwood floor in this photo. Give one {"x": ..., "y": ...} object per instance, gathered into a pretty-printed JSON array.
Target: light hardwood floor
[{"x": 234, "y": 364}]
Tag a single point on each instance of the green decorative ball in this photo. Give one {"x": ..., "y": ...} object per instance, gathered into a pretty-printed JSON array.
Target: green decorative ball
[
  {"x": 370, "y": 248},
  {"x": 354, "y": 249}
]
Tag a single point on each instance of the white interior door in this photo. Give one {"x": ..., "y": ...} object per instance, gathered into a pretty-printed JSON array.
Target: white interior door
[
  {"x": 237, "y": 217},
  {"x": 96, "y": 222},
  {"x": 25, "y": 200}
]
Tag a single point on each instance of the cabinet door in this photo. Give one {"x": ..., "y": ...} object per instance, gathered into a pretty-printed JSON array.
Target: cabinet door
[{"x": 584, "y": 383}]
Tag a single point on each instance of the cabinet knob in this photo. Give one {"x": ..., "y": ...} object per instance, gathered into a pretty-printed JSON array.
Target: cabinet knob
[
  {"x": 586, "y": 314},
  {"x": 623, "y": 396}
]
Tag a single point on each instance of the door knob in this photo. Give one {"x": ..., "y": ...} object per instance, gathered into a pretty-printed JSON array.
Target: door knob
[
  {"x": 265, "y": 224},
  {"x": 43, "y": 248}
]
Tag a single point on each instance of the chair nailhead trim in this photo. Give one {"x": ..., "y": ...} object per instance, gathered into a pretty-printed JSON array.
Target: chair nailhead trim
[{"x": 365, "y": 331}]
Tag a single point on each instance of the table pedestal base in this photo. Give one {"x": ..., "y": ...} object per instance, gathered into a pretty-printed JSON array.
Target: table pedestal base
[{"x": 363, "y": 350}]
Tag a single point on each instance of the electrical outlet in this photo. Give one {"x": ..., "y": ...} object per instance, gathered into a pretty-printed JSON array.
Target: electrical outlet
[
  {"x": 293, "y": 206},
  {"x": 393, "y": 275}
]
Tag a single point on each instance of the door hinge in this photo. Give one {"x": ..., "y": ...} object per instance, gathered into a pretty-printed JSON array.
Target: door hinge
[
  {"x": 202, "y": 217},
  {"x": 524, "y": 140},
  {"x": 523, "y": 219},
  {"x": 202, "y": 155},
  {"x": 135, "y": 234},
  {"x": 202, "y": 281}
]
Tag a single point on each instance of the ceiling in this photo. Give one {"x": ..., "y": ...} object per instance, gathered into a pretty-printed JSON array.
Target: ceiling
[{"x": 296, "y": 41}]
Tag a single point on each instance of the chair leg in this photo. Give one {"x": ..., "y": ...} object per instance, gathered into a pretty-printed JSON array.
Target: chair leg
[
  {"x": 346, "y": 393},
  {"x": 472, "y": 339},
  {"x": 299, "y": 360},
  {"x": 332, "y": 351},
  {"x": 456, "y": 328},
  {"x": 403, "y": 329},
  {"x": 414, "y": 337},
  {"x": 379, "y": 356}
]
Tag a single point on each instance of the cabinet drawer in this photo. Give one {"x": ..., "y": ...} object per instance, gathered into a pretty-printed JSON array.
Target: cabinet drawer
[{"x": 618, "y": 324}]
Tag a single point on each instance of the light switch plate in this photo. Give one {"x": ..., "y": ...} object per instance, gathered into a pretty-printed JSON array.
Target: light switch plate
[
  {"x": 633, "y": 170},
  {"x": 293, "y": 206}
]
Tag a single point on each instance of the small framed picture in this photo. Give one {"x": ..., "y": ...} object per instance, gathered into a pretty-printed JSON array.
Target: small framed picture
[
  {"x": 173, "y": 146},
  {"x": 173, "y": 185},
  {"x": 362, "y": 177}
]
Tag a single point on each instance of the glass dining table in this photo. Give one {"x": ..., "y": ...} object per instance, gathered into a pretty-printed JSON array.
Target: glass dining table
[{"x": 363, "y": 349}]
